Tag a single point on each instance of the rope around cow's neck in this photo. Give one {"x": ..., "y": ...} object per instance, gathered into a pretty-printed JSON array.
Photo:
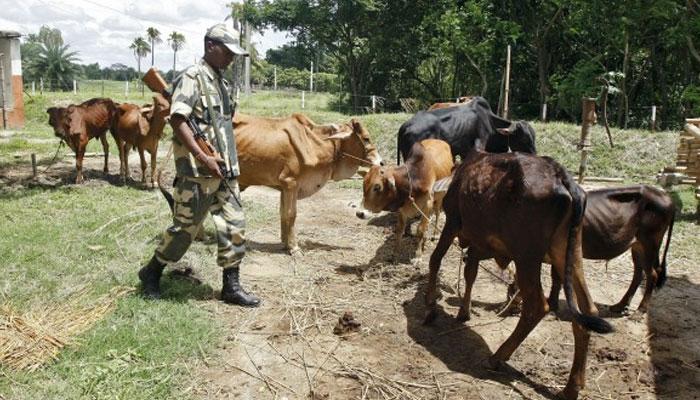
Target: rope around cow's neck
[{"x": 362, "y": 160}]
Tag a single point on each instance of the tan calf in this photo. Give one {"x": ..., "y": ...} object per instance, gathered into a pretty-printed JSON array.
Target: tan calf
[
  {"x": 142, "y": 128},
  {"x": 408, "y": 188}
]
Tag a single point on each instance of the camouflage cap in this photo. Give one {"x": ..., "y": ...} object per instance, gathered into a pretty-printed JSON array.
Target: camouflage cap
[{"x": 228, "y": 36}]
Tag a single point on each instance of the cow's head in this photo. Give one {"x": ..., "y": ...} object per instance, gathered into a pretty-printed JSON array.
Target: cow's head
[
  {"x": 356, "y": 149},
  {"x": 155, "y": 116},
  {"x": 521, "y": 137},
  {"x": 58, "y": 120},
  {"x": 379, "y": 188}
]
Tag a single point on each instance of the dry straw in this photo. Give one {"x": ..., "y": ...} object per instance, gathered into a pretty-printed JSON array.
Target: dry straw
[{"x": 29, "y": 340}]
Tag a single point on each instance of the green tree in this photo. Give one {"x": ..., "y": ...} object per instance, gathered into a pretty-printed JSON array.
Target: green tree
[
  {"x": 176, "y": 40},
  {"x": 153, "y": 36},
  {"x": 56, "y": 64},
  {"x": 141, "y": 50}
]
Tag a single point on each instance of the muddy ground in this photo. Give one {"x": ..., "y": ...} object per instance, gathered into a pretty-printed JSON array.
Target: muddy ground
[{"x": 288, "y": 349}]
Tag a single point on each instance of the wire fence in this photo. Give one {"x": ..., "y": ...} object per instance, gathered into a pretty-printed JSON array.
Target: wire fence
[{"x": 645, "y": 117}]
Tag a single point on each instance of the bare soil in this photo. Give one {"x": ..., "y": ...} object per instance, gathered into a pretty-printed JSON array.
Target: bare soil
[{"x": 287, "y": 348}]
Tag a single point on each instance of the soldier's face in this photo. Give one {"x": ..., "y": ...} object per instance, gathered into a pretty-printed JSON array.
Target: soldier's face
[{"x": 218, "y": 55}]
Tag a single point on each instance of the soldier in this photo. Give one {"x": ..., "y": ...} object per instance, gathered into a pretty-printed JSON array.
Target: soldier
[{"x": 201, "y": 102}]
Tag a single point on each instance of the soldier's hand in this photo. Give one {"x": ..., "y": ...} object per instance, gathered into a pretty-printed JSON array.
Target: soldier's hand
[{"x": 212, "y": 163}]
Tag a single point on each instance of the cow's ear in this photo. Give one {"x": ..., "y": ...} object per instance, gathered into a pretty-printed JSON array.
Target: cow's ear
[{"x": 340, "y": 133}]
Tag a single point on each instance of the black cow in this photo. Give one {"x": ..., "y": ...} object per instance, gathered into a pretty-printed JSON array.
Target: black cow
[{"x": 471, "y": 126}]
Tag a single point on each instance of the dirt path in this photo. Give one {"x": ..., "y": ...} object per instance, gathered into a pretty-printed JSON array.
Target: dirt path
[{"x": 288, "y": 349}]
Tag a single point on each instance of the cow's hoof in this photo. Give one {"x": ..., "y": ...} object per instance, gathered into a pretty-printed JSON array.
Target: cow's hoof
[
  {"x": 463, "y": 315},
  {"x": 619, "y": 309},
  {"x": 295, "y": 251},
  {"x": 570, "y": 392},
  {"x": 553, "y": 305}
]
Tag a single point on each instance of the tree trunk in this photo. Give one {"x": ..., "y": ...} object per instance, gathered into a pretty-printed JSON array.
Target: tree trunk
[
  {"x": 543, "y": 60},
  {"x": 153, "y": 53},
  {"x": 623, "y": 111},
  {"x": 174, "y": 59}
]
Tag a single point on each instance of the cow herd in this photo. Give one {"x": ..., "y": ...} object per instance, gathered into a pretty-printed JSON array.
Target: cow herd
[
  {"x": 131, "y": 125},
  {"x": 500, "y": 200}
]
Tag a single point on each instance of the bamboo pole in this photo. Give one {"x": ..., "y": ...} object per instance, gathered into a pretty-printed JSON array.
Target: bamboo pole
[
  {"x": 588, "y": 119},
  {"x": 507, "y": 91}
]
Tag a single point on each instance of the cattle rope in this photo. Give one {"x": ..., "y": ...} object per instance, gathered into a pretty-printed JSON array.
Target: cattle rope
[
  {"x": 344, "y": 154},
  {"x": 60, "y": 144}
]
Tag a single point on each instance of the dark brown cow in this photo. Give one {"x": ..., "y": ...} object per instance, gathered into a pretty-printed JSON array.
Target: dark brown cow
[
  {"x": 142, "y": 128},
  {"x": 522, "y": 207},
  {"x": 77, "y": 124},
  {"x": 616, "y": 220},
  {"x": 408, "y": 188}
]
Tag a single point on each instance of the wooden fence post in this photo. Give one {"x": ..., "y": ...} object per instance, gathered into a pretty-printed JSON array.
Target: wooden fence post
[
  {"x": 33, "y": 165},
  {"x": 507, "y": 90},
  {"x": 588, "y": 119}
]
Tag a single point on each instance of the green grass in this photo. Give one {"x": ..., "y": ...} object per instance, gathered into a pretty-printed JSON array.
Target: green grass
[{"x": 56, "y": 241}]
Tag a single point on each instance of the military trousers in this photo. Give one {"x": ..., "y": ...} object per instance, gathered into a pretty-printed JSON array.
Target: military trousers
[{"x": 194, "y": 197}]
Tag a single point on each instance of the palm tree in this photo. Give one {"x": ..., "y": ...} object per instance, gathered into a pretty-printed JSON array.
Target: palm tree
[
  {"x": 57, "y": 64},
  {"x": 153, "y": 36},
  {"x": 141, "y": 49},
  {"x": 176, "y": 41}
]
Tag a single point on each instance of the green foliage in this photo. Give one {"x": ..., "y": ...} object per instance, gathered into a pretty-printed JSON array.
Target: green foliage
[
  {"x": 691, "y": 101},
  {"x": 264, "y": 74}
]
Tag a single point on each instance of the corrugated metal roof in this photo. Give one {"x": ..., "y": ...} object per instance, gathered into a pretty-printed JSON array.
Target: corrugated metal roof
[{"x": 9, "y": 34}]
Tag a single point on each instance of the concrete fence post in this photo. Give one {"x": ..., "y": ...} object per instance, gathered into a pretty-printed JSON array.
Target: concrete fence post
[
  {"x": 653, "y": 118},
  {"x": 33, "y": 88},
  {"x": 75, "y": 87},
  {"x": 374, "y": 103},
  {"x": 302, "y": 99},
  {"x": 126, "y": 88},
  {"x": 544, "y": 112}
]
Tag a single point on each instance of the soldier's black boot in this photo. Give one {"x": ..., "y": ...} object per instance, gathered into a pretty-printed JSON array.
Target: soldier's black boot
[
  {"x": 233, "y": 293},
  {"x": 150, "y": 278}
]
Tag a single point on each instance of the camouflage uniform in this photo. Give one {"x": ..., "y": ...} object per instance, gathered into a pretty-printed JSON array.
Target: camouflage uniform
[{"x": 197, "y": 191}]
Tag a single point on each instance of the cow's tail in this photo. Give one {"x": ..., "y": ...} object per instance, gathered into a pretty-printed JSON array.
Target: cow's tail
[
  {"x": 578, "y": 197},
  {"x": 398, "y": 149},
  {"x": 662, "y": 271},
  {"x": 168, "y": 196}
]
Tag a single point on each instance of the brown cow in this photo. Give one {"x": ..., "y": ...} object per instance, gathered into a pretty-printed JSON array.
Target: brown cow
[
  {"x": 408, "y": 188},
  {"x": 616, "y": 219},
  {"x": 142, "y": 128},
  {"x": 460, "y": 102},
  {"x": 77, "y": 124},
  {"x": 297, "y": 157},
  {"x": 522, "y": 207}
]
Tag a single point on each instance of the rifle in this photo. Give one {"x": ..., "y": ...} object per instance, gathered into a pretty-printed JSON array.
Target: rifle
[{"x": 157, "y": 84}]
